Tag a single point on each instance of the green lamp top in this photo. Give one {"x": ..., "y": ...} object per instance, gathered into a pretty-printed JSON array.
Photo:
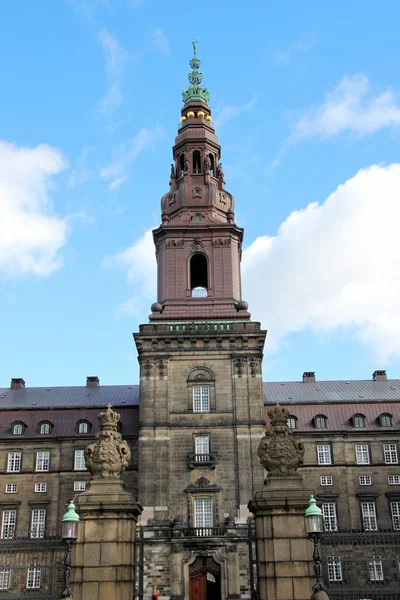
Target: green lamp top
[
  {"x": 71, "y": 514},
  {"x": 313, "y": 510},
  {"x": 195, "y": 91}
]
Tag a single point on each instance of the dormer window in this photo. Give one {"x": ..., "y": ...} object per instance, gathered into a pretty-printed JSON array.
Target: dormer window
[
  {"x": 292, "y": 422},
  {"x": 83, "y": 427},
  {"x": 18, "y": 428},
  {"x": 359, "y": 421},
  {"x": 385, "y": 420},
  {"x": 199, "y": 275},
  {"x": 45, "y": 428},
  {"x": 320, "y": 422}
]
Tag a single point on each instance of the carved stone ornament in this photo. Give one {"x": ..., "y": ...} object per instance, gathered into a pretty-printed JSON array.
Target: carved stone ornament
[
  {"x": 279, "y": 451},
  {"x": 222, "y": 243},
  {"x": 222, "y": 198},
  {"x": 196, "y": 192},
  {"x": 197, "y": 242},
  {"x": 109, "y": 455},
  {"x": 175, "y": 243},
  {"x": 147, "y": 367},
  {"x": 240, "y": 365}
]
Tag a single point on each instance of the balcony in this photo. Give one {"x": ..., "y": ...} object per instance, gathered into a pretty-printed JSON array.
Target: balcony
[
  {"x": 196, "y": 461},
  {"x": 205, "y": 532}
]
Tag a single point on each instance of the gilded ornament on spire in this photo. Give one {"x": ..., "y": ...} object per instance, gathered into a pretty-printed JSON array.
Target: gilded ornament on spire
[{"x": 195, "y": 91}]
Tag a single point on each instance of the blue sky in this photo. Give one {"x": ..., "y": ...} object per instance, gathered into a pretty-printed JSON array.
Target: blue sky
[{"x": 306, "y": 102}]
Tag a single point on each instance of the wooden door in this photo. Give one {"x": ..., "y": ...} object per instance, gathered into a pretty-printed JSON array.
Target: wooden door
[{"x": 198, "y": 586}]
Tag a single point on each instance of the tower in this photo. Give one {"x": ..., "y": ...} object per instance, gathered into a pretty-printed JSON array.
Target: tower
[{"x": 201, "y": 395}]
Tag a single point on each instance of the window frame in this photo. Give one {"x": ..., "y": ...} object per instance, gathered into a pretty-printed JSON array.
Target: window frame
[
  {"x": 373, "y": 563},
  {"x": 329, "y": 515},
  {"x": 47, "y": 425},
  {"x": 33, "y": 571},
  {"x": 320, "y": 422},
  {"x": 19, "y": 425},
  {"x": 5, "y": 573},
  {"x": 365, "y": 477},
  {"x": 11, "y": 491},
  {"x": 334, "y": 568},
  {"x": 201, "y": 387},
  {"x": 394, "y": 482},
  {"x": 359, "y": 418},
  {"x": 391, "y": 453},
  {"x": 38, "y": 520},
  {"x": 292, "y": 419},
  {"x": 321, "y": 453},
  {"x": 198, "y": 443},
  {"x": 369, "y": 521},
  {"x": 40, "y": 491},
  {"x": 42, "y": 462},
  {"x": 359, "y": 451},
  {"x": 14, "y": 461},
  {"x": 83, "y": 423},
  {"x": 82, "y": 456},
  {"x": 383, "y": 417},
  {"x": 79, "y": 489},
  {"x": 395, "y": 514},
  {"x": 203, "y": 514},
  {"x": 326, "y": 477},
  {"x": 10, "y": 534}
]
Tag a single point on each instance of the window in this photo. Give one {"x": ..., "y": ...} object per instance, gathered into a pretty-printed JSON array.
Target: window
[
  {"x": 329, "y": 516},
  {"x": 292, "y": 422},
  {"x": 201, "y": 398},
  {"x": 199, "y": 272},
  {"x": 40, "y": 487},
  {"x": 334, "y": 568},
  {"x": 320, "y": 422},
  {"x": 395, "y": 510},
  {"x": 202, "y": 444},
  {"x": 42, "y": 460},
  {"x": 38, "y": 523},
  {"x": 365, "y": 480},
  {"x": 83, "y": 427},
  {"x": 45, "y": 428},
  {"x": 394, "y": 479},
  {"x": 5, "y": 572},
  {"x": 18, "y": 429},
  {"x": 11, "y": 488},
  {"x": 79, "y": 460},
  {"x": 362, "y": 454},
  {"x": 33, "y": 578},
  {"x": 79, "y": 486},
  {"x": 14, "y": 462},
  {"x": 8, "y": 524},
  {"x": 390, "y": 454},
  {"x": 375, "y": 569},
  {"x": 368, "y": 512},
  {"x": 358, "y": 421},
  {"x": 326, "y": 480},
  {"x": 196, "y": 162},
  {"x": 203, "y": 513},
  {"x": 385, "y": 420},
  {"x": 324, "y": 454}
]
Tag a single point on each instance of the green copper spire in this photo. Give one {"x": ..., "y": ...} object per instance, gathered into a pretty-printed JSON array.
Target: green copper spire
[{"x": 195, "y": 91}]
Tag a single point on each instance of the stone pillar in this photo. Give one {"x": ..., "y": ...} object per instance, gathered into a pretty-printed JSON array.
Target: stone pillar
[
  {"x": 233, "y": 575},
  {"x": 177, "y": 589},
  {"x": 103, "y": 558}
]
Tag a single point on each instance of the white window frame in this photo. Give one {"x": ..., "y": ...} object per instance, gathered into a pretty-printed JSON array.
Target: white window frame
[
  {"x": 390, "y": 455},
  {"x": 42, "y": 461},
  {"x": 202, "y": 444},
  {"x": 324, "y": 454},
  {"x": 329, "y": 515},
  {"x": 385, "y": 420},
  {"x": 79, "y": 486},
  {"x": 45, "y": 428},
  {"x": 18, "y": 429},
  {"x": 38, "y": 523},
  {"x": 368, "y": 513},
  {"x": 14, "y": 461},
  {"x": 40, "y": 487},
  {"x": 375, "y": 569},
  {"x": 203, "y": 512},
  {"x": 292, "y": 422},
  {"x": 33, "y": 576},
  {"x": 394, "y": 479},
  {"x": 5, "y": 577},
  {"x": 365, "y": 480},
  {"x": 362, "y": 454},
  {"x": 83, "y": 427},
  {"x": 11, "y": 488},
  {"x": 395, "y": 512},
  {"x": 334, "y": 568},
  {"x": 79, "y": 460},
  {"x": 8, "y": 524},
  {"x": 326, "y": 480},
  {"x": 201, "y": 398}
]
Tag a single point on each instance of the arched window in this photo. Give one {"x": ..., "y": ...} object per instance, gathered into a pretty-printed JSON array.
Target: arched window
[
  {"x": 292, "y": 422},
  {"x": 83, "y": 427},
  {"x": 212, "y": 163},
  {"x": 45, "y": 427},
  {"x": 320, "y": 422},
  {"x": 199, "y": 276},
  {"x": 18, "y": 428},
  {"x": 385, "y": 420},
  {"x": 358, "y": 421},
  {"x": 196, "y": 161},
  {"x": 181, "y": 165}
]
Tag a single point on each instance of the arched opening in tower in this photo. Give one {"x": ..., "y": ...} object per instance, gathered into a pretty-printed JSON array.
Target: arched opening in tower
[
  {"x": 181, "y": 165},
  {"x": 196, "y": 161},
  {"x": 199, "y": 276},
  {"x": 212, "y": 167}
]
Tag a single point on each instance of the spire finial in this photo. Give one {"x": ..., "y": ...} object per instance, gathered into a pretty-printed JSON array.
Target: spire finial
[
  {"x": 194, "y": 47},
  {"x": 194, "y": 91}
]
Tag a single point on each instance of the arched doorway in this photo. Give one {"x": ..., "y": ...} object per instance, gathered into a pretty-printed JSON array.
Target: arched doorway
[{"x": 205, "y": 579}]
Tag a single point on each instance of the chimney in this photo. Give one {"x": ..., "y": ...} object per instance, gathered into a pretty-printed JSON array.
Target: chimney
[
  {"x": 309, "y": 377},
  {"x": 379, "y": 375},
  {"x": 17, "y": 383},
  {"x": 92, "y": 382}
]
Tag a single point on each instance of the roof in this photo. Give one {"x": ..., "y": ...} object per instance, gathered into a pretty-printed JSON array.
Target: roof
[
  {"x": 31, "y": 398},
  {"x": 322, "y": 392}
]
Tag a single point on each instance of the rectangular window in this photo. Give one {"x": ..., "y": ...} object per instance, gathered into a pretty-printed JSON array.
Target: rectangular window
[
  {"x": 33, "y": 578},
  {"x": 203, "y": 513},
  {"x": 394, "y": 479},
  {"x": 368, "y": 512},
  {"x": 324, "y": 454},
  {"x": 79, "y": 486},
  {"x": 11, "y": 488},
  {"x": 79, "y": 460},
  {"x": 42, "y": 460},
  {"x": 202, "y": 444},
  {"x": 201, "y": 398},
  {"x": 365, "y": 480},
  {"x": 362, "y": 454},
  {"x": 375, "y": 569},
  {"x": 329, "y": 516},
  {"x": 40, "y": 487},
  {"x": 14, "y": 462},
  {"x": 38, "y": 523},
  {"x": 326, "y": 480},
  {"x": 395, "y": 510},
  {"x": 8, "y": 523},
  {"x": 390, "y": 454},
  {"x": 5, "y": 575},
  {"x": 334, "y": 568}
]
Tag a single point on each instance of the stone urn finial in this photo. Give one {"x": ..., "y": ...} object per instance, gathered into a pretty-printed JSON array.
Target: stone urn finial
[{"x": 109, "y": 455}]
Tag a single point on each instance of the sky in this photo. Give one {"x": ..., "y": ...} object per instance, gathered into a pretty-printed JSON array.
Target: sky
[{"x": 305, "y": 98}]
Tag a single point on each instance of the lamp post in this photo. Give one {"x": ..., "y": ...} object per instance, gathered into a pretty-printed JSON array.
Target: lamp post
[
  {"x": 69, "y": 533},
  {"x": 314, "y": 529}
]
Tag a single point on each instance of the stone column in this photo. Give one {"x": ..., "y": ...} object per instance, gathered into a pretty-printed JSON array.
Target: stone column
[
  {"x": 103, "y": 558},
  {"x": 284, "y": 555}
]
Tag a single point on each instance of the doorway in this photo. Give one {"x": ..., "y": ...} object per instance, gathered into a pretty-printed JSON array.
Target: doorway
[{"x": 205, "y": 579}]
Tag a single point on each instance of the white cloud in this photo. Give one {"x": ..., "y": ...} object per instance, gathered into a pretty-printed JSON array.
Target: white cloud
[
  {"x": 160, "y": 40},
  {"x": 229, "y": 111},
  {"x": 116, "y": 58},
  {"x": 31, "y": 235},
  {"x": 126, "y": 153},
  {"x": 334, "y": 265},
  {"x": 305, "y": 42}
]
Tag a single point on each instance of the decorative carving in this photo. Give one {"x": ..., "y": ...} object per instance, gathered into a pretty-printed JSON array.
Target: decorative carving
[
  {"x": 207, "y": 164},
  {"x": 173, "y": 172},
  {"x": 197, "y": 242},
  {"x": 171, "y": 199},
  {"x": 175, "y": 243},
  {"x": 186, "y": 163},
  {"x": 109, "y": 455},
  {"x": 239, "y": 365},
  {"x": 222, "y": 243},
  {"x": 162, "y": 367},
  {"x": 147, "y": 367},
  {"x": 202, "y": 482},
  {"x": 253, "y": 364},
  {"x": 220, "y": 172},
  {"x": 196, "y": 192},
  {"x": 279, "y": 451},
  {"x": 197, "y": 217},
  {"x": 222, "y": 198}
]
